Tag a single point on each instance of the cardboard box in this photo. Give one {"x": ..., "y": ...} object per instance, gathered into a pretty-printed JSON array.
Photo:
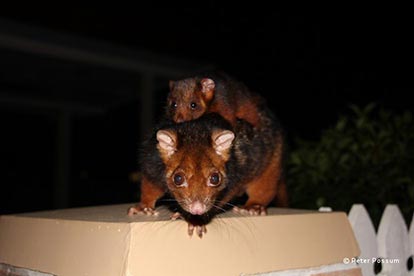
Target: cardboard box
[{"x": 103, "y": 241}]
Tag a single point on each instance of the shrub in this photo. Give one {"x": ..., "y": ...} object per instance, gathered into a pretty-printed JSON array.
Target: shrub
[{"x": 367, "y": 157}]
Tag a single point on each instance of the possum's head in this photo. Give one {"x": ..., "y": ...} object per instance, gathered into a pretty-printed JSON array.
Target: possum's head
[
  {"x": 188, "y": 99},
  {"x": 195, "y": 166}
]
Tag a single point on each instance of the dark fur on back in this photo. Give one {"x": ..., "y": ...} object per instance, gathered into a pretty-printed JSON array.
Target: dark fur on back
[{"x": 252, "y": 148}]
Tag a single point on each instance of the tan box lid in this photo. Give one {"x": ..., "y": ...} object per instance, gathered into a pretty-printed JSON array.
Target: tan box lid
[{"x": 103, "y": 240}]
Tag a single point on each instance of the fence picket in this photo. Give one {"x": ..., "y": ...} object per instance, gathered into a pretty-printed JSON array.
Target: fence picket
[
  {"x": 365, "y": 235},
  {"x": 393, "y": 243},
  {"x": 410, "y": 264}
]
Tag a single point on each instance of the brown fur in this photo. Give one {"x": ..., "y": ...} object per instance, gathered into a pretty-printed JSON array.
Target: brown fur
[
  {"x": 251, "y": 164},
  {"x": 248, "y": 161}
]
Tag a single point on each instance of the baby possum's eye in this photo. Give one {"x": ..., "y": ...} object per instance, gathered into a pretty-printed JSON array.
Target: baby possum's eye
[
  {"x": 214, "y": 180},
  {"x": 174, "y": 104},
  {"x": 193, "y": 105},
  {"x": 179, "y": 179}
]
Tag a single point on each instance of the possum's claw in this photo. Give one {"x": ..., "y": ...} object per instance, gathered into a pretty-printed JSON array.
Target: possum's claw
[
  {"x": 140, "y": 209},
  {"x": 253, "y": 210},
  {"x": 200, "y": 230},
  {"x": 176, "y": 215}
]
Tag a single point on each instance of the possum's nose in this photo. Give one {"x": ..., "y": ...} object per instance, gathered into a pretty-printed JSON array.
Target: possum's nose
[
  {"x": 197, "y": 208},
  {"x": 179, "y": 118}
]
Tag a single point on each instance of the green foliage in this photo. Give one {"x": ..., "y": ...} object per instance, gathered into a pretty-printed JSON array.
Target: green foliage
[{"x": 367, "y": 157}]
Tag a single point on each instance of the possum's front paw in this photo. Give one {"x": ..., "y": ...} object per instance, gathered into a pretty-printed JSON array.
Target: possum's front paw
[
  {"x": 199, "y": 229},
  {"x": 253, "y": 210},
  {"x": 142, "y": 209}
]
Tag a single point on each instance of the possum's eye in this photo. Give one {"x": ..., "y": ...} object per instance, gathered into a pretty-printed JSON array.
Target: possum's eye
[
  {"x": 193, "y": 105},
  {"x": 214, "y": 179},
  {"x": 179, "y": 179},
  {"x": 174, "y": 104}
]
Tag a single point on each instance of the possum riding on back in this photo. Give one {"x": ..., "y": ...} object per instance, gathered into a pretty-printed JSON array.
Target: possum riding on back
[{"x": 213, "y": 93}]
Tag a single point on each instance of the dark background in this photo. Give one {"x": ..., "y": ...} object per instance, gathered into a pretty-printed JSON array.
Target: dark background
[{"x": 310, "y": 64}]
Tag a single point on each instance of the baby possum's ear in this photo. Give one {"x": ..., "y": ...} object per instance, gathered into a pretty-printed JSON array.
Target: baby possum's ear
[
  {"x": 167, "y": 143},
  {"x": 171, "y": 84},
  {"x": 207, "y": 88},
  {"x": 222, "y": 141}
]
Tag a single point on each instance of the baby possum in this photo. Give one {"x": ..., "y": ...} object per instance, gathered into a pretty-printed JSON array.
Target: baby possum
[
  {"x": 190, "y": 98},
  {"x": 206, "y": 163}
]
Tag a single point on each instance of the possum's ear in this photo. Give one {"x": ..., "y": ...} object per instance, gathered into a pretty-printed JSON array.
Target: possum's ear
[
  {"x": 167, "y": 142},
  {"x": 207, "y": 88},
  {"x": 171, "y": 84},
  {"x": 222, "y": 141}
]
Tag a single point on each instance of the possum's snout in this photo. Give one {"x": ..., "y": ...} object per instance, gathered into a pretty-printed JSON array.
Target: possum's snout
[{"x": 197, "y": 208}]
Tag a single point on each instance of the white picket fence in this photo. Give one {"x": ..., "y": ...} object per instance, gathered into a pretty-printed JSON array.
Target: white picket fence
[{"x": 387, "y": 251}]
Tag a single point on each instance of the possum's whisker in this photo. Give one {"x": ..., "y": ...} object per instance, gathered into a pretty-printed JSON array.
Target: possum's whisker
[
  {"x": 173, "y": 200},
  {"x": 219, "y": 208},
  {"x": 175, "y": 204},
  {"x": 168, "y": 199},
  {"x": 223, "y": 210},
  {"x": 223, "y": 203}
]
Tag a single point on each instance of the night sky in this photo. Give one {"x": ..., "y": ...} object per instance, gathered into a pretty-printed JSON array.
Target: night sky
[{"x": 310, "y": 64}]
